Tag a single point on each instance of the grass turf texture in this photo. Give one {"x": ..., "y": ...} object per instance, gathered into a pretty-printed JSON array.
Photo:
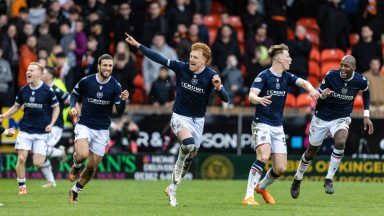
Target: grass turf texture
[{"x": 197, "y": 197}]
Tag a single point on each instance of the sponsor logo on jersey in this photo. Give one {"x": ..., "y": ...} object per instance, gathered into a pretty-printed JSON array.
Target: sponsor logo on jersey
[
  {"x": 33, "y": 105},
  {"x": 276, "y": 93},
  {"x": 192, "y": 88},
  {"x": 258, "y": 79},
  {"x": 341, "y": 96},
  {"x": 97, "y": 101}
]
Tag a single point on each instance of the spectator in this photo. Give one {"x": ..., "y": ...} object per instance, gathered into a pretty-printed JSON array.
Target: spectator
[
  {"x": 124, "y": 135},
  {"x": 10, "y": 47},
  {"x": 370, "y": 13},
  {"x": 42, "y": 54},
  {"x": 45, "y": 40},
  {"x": 162, "y": 91},
  {"x": 366, "y": 49},
  {"x": 182, "y": 42},
  {"x": 36, "y": 13},
  {"x": 124, "y": 22},
  {"x": 156, "y": 23},
  {"x": 21, "y": 19},
  {"x": 17, "y": 6},
  {"x": 181, "y": 12},
  {"x": 52, "y": 56},
  {"x": 98, "y": 33},
  {"x": 73, "y": 17},
  {"x": 151, "y": 69},
  {"x": 333, "y": 23},
  {"x": 251, "y": 19},
  {"x": 299, "y": 49},
  {"x": 224, "y": 17},
  {"x": 125, "y": 69},
  {"x": 80, "y": 41},
  {"x": 55, "y": 18},
  {"x": 3, "y": 22},
  {"x": 233, "y": 80},
  {"x": 376, "y": 85},
  {"x": 5, "y": 78},
  {"x": 27, "y": 55},
  {"x": 276, "y": 13},
  {"x": 203, "y": 30},
  {"x": 27, "y": 31},
  {"x": 223, "y": 47},
  {"x": 89, "y": 61}
]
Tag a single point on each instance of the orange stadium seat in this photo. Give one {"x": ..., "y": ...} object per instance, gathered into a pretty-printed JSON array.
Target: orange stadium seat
[
  {"x": 309, "y": 24},
  {"x": 358, "y": 103},
  {"x": 327, "y": 67},
  {"x": 240, "y": 36},
  {"x": 331, "y": 55},
  {"x": 212, "y": 21},
  {"x": 290, "y": 34},
  {"x": 303, "y": 100},
  {"x": 235, "y": 22},
  {"x": 314, "y": 55},
  {"x": 353, "y": 39},
  {"x": 290, "y": 101},
  {"x": 314, "y": 38},
  {"x": 217, "y": 7},
  {"x": 314, "y": 80},
  {"x": 314, "y": 68},
  {"x": 212, "y": 35}
]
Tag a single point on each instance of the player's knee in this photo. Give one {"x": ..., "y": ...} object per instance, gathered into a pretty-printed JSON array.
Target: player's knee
[
  {"x": 21, "y": 159},
  {"x": 82, "y": 155},
  {"x": 340, "y": 143},
  {"x": 280, "y": 170},
  {"x": 38, "y": 162},
  {"x": 188, "y": 145}
]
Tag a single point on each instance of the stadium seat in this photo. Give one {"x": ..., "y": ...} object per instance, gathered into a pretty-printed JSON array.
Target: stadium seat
[
  {"x": 139, "y": 96},
  {"x": 314, "y": 68},
  {"x": 303, "y": 100},
  {"x": 309, "y": 24},
  {"x": 235, "y": 22},
  {"x": 290, "y": 34},
  {"x": 212, "y": 21},
  {"x": 327, "y": 67},
  {"x": 358, "y": 103},
  {"x": 212, "y": 35},
  {"x": 349, "y": 51},
  {"x": 314, "y": 80},
  {"x": 290, "y": 101},
  {"x": 331, "y": 55},
  {"x": 353, "y": 39},
  {"x": 240, "y": 36},
  {"x": 314, "y": 55},
  {"x": 217, "y": 7}
]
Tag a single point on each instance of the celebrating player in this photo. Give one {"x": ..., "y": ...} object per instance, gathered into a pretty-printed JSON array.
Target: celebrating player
[
  {"x": 96, "y": 93},
  {"x": 268, "y": 92},
  {"x": 332, "y": 115},
  {"x": 38, "y": 100},
  {"x": 194, "y": 85},
  {"x": 48, "y": 74}
]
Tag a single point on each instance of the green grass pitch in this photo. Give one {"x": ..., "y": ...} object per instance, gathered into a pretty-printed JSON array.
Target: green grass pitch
[{"x": 197, "y": 197}]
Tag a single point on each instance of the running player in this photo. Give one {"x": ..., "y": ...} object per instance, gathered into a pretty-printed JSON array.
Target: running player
[
  {"x": 97, "y": 93},
  {"x": 63, "y": 97},
  {"x": 38, "y": 100},
  {"x": 194, "y": 84},
  {"x": 332, "y": 115},
  {"x": 268, "y": 92}
]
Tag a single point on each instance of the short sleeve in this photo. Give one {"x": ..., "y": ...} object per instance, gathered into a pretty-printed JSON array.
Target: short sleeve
[
  {"x": 325, "y": 83},
  {"x": 292, "y": 78},
  {"x": 19, "y": 98},
  {"x": 365, "y": 85},
  {"x": 259, "y": 81},
  {"x": 78, "y": 89},
  {"x": 52, "y": 98},
  {"x": 117, "y": 93}
]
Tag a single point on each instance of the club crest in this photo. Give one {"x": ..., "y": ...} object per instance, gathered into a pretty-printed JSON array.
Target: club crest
[
  {"x": 194, "y": 80},
  {"x": 344, "y": 90},
  {"x": 99, "y": 94},
  {"x": 32, "y": 99}
]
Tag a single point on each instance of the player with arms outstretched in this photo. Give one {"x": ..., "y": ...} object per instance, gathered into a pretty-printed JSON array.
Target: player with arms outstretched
[
  {"x": 268, "y": 93},
  {"x": 41, "y": 110},
  {"x": 332, "y": 115},
  {"x": 57, "y": 131},
  {"x": 194, "y": 84},
  {"x": 97, "y": 93}
]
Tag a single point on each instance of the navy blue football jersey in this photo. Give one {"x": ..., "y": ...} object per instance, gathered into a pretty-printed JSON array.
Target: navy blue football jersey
[
  {"x": 340, "y": 103},
  {"x": 38, "y": 103},
  {"x": 272, "y": 84},
  {"x": 61, "y": 98},
  {"x": 97, "y": 101},
  {"x": 192, "y": 89}
]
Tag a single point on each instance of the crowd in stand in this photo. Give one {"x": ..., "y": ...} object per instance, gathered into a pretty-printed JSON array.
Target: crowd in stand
[{"x": 70, "y": 35}]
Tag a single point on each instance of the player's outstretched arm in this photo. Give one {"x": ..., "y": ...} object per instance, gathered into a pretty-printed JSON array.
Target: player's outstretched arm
[
  {"x": 308, "y": 87},
  {"x": 255, "y": 99},
  {"x": 10, "y": 112},
  {"x": 216, "y": 81},
  {"x": 154, "y": 56}
]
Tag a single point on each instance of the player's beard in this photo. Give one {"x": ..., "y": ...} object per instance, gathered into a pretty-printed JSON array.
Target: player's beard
[{"x": 102, "y": 74}]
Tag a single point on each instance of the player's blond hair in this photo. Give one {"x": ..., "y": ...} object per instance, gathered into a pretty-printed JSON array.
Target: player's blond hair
[
  {"x": 203, "y": 47},
  {"x": 274, "y": 50},
  {"x": 39, "y": 66}
]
